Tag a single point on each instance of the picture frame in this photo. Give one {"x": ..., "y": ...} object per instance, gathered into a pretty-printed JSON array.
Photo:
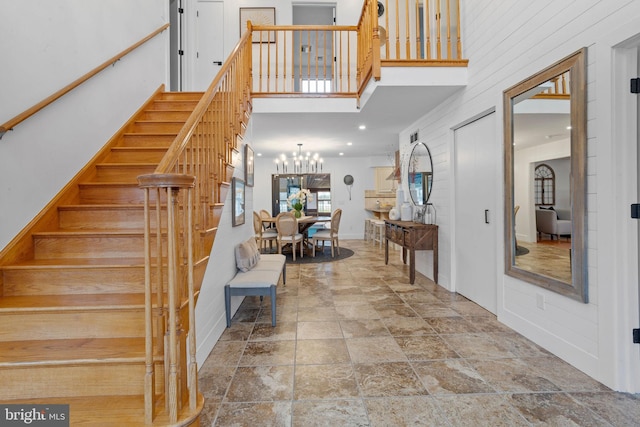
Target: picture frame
[
  {"x": 237, "y": 201},
  {"x": 248, "y": 165},
  {"x": 258, "y": 16}
]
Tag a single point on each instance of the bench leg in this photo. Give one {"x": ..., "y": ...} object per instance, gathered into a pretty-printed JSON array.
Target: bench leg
[
  {"x": 284, "y": 274},
  {"x": 227, "y": 303},
  {"x": 273, "y": 305}
]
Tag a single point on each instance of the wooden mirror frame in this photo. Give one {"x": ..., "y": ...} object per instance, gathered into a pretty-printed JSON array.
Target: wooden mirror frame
[
  {"x": 575, "y": 64},
  {"x": 426, "y": 177}
]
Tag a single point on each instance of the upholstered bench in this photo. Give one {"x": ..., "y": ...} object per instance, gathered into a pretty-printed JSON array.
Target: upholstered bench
[{"x": 258, "y": 275}]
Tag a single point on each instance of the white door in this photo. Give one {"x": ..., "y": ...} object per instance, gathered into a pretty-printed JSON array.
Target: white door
[
  {"x": 476, "y": 194},
  {"x": 209, "y": 43}
]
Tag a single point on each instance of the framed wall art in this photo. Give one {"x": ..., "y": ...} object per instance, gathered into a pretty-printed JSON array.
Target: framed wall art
[
  {"x": 237, "y": 201},
  {"x": 248, "y": 165},
  {"x": 258, "y": 16}
]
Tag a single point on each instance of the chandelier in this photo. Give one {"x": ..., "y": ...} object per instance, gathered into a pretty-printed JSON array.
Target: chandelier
[{"x": 299, "y": 162}]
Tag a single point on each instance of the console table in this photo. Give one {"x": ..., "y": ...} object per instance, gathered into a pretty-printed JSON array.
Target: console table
[{"x": 412, "y": 236}]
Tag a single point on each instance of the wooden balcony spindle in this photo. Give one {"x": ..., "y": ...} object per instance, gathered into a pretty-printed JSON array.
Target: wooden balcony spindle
[
  {"x": 459, "y": 39},
  {"x": 438, "y": 30},
  {"x": 407, "y": 30},
  {"x": 449, "y": 54},
  {"x": 427, "y": 21}
]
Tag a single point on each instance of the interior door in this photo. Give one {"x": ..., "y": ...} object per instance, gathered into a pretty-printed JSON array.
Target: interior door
[
  {"x": 209, "y": 43},
  {"x": 175, "y": 39},
  {"x": 476, "y": 194}
]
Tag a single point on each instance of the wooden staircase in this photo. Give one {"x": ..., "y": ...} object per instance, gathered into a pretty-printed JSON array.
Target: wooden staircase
[{"x": 72, "y": 283}]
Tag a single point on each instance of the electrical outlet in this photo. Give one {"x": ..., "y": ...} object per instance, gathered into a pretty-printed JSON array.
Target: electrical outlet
[{"x": 540, "y": 301}]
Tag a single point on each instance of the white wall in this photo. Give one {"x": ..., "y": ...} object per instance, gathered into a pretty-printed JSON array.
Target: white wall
[
  {"x": 210, "y": 310},
  {"x": 47, "y": 46},
  {"x": 525, "y": 38}
]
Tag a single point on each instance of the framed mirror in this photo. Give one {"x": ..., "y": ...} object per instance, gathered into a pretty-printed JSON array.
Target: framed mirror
[
  {"x": 420, "y": 174},
  {"x": 545, "y": 151}
]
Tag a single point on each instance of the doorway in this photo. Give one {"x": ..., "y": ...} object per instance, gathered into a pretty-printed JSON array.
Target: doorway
[
  {"x": 209, "y": 46},
  {"x": 318, "y": 184},
  {"x": 313, "y": 67},
  {"x": 176, "y": 14},
  {"x": 476, "y": 195}
]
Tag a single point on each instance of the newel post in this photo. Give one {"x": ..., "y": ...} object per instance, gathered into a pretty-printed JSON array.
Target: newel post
[{"x": 178, "y": 244}]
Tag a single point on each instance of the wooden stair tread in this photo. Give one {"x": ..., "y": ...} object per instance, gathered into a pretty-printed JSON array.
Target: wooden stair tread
[
  {"x": 146, "y": 133},
  {"x": 71, "y": 351},
  {"x": 77, "y": 263},
  {"x": 88, "y": 233},
  {"x": 107, "y": 411},
  {"x": 123, "y": 164},
  {"x": 67, "y": 302},
  {"x": 110, "y": 206}
]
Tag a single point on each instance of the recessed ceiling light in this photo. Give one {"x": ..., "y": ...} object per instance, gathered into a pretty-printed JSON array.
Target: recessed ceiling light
[
  {"x": 362, "y": 127},
  {"x": 349, "y": 143},
  {"x": 259, "y": 154},
  {"x": 568, "y": 127},
  {"x": 342, "y": 154}
]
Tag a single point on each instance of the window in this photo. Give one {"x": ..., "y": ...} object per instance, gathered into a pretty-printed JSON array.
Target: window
[
  {"x": 324, "y": 202},
  {"x": 545, "y": 186}
]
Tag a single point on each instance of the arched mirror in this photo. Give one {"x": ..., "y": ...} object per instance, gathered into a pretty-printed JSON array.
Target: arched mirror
[
  {"x": 420, "y": 174},
  {"x": 545, "y": 124}
]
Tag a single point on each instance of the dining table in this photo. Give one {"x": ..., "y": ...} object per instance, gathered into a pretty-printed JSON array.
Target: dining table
[{"x": 304, "y": 223}]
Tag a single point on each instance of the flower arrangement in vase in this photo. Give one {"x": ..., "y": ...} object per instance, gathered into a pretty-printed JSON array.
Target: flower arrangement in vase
[{"x": 297, "y": 201}]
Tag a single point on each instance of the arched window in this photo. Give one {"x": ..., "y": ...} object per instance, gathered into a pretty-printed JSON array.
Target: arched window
[{"x": 545, "y": 186}]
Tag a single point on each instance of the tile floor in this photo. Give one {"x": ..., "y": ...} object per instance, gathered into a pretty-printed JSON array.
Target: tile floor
[{"x": 357, "y": 345}]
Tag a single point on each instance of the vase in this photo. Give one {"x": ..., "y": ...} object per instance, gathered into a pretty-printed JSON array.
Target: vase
[
  {"x": 394, "y": 215},
  {"x": 297, "y": 213}
]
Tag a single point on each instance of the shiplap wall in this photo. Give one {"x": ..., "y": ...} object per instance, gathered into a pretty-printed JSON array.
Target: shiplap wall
[{"x": 506, "y": 42}]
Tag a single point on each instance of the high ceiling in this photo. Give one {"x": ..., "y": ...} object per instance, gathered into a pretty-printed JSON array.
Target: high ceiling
[{"x": 388, "y": 111}]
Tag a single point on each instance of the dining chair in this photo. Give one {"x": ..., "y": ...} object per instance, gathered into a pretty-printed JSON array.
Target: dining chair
[
  {"x": 331, "y": 234},
  {"x": 263, "y": 236},
  {"x": 287, "y": 227},
  {"x": 264, "y": 214}
]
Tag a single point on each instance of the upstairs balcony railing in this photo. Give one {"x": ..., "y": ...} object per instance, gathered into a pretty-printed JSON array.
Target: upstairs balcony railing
[{"x": 338, "y": 60}]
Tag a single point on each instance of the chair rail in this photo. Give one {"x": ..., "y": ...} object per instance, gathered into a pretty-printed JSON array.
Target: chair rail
[{"x": 9, "y": 125}]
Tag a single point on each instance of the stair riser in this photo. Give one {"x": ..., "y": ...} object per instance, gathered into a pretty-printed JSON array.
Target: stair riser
[
  {"x": 159, "y": 127},
  {"x": 173, "y": 105},
  {"x": 170, "y": 116},
  {"x": 42, "y": 325},
  {"x": 114, "y": 194},
  {"x": 191, "y": 96},
  {"x": 74, "y": 381},
  {"x": 137, "y": 156},
  {"x": 73, "y": 281},
  {"x": 94, "y": 246},
  {"x": 122, "y": 173},
  {"x": 144, "y": 140},
  {"x": 105, "y": 219}
]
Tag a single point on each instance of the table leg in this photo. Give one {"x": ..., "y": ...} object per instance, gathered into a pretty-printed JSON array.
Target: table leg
[
  {"x": 404, "y": 255},
  {"x": 412, "y": 266},
  {"x": 386, "y": 251}
]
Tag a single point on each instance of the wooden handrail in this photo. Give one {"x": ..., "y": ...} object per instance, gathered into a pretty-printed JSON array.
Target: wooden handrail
[
  {"x": 9, "y": 125},
  {"x": 182, "y": 139}
]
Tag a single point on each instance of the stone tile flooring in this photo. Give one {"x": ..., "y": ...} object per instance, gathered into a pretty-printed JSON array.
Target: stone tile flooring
[{"x": 356, "y": 345}]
